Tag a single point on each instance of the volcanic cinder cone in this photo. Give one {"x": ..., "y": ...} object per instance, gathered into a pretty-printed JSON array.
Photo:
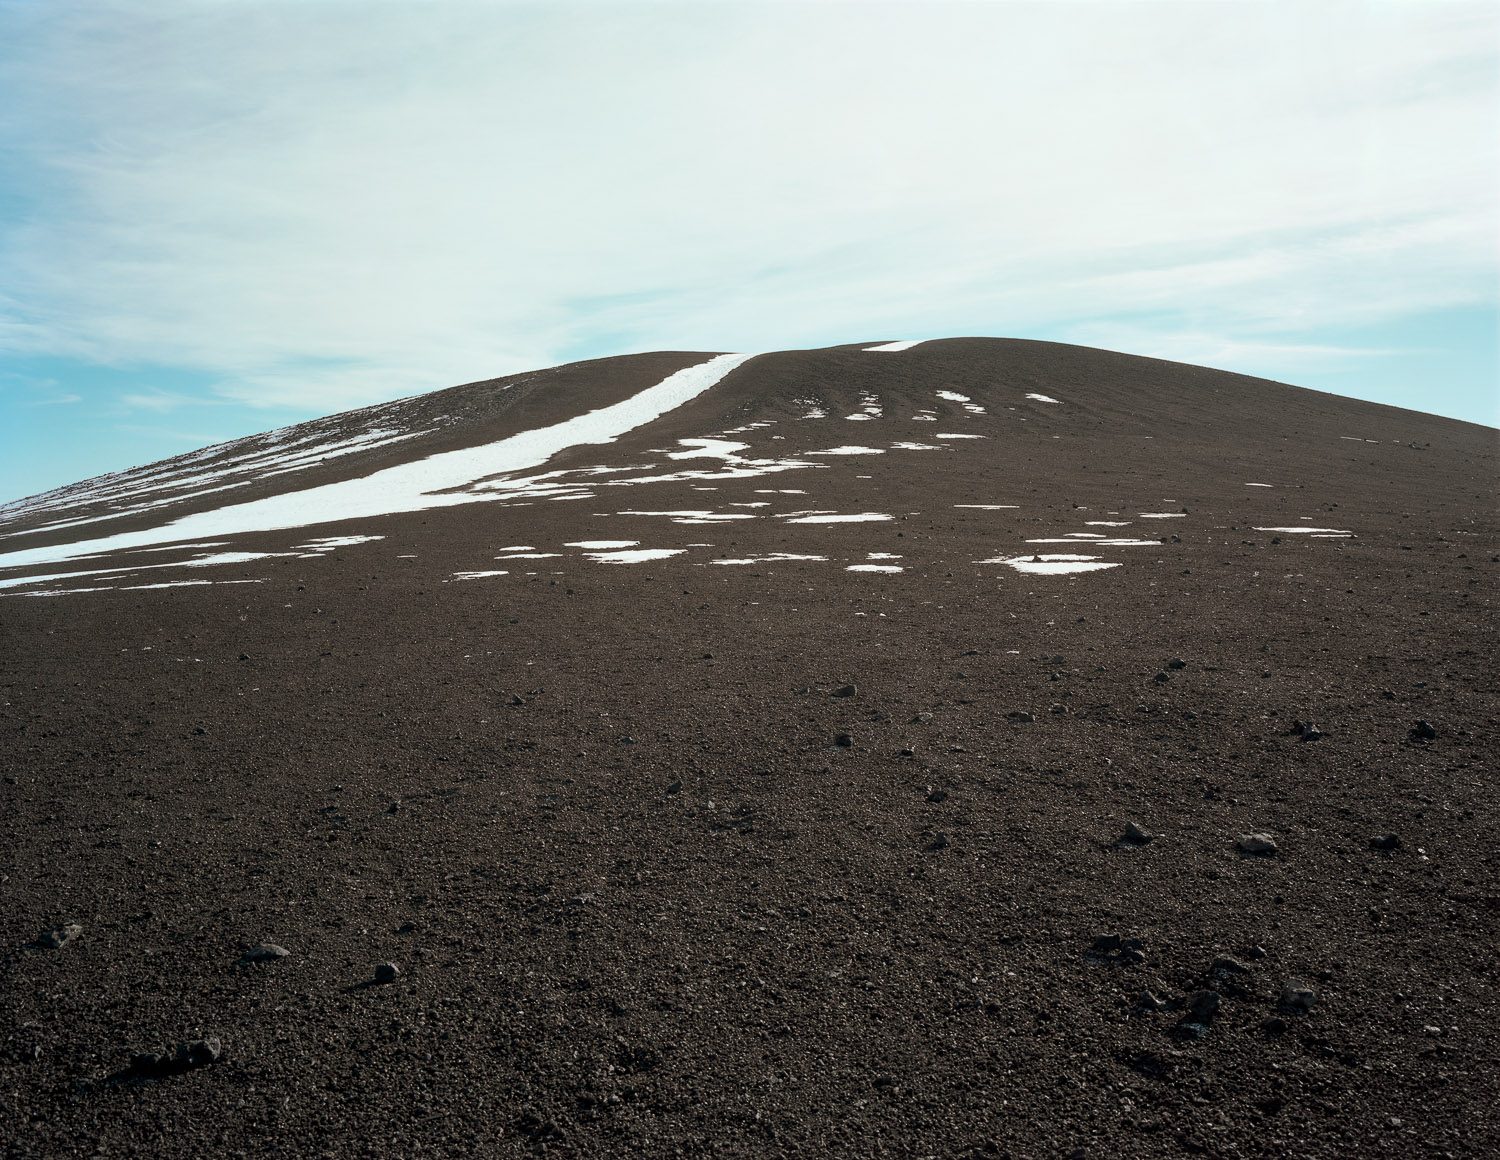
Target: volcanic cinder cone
[{"x": 684, "y": 753}]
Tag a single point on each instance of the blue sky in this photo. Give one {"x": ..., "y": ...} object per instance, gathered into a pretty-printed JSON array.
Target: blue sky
[{"x": 228, "y": 215}]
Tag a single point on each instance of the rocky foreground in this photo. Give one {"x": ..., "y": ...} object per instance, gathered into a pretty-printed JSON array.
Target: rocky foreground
[{"x": 345, "y": 854}]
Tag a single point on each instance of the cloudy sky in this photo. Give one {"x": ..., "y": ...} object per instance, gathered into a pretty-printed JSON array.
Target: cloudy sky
[{"x": 222, "y": 216}]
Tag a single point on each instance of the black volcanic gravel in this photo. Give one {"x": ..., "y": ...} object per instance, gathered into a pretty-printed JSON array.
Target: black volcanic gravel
[{"x": 571, "y": 863}]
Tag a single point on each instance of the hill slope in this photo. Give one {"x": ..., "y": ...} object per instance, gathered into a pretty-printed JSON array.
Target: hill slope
[{"x": 744, "y": 766}]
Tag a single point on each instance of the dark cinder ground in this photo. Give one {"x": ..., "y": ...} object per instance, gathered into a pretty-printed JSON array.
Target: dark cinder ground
[{"x": 642, "y": 904}]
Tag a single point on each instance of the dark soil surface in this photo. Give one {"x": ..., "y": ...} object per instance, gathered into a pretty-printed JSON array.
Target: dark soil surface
[{"x": 642, "y": 903}]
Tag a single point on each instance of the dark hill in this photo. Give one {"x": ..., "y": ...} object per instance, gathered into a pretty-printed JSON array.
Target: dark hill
[{"x": 788, "y": 834}]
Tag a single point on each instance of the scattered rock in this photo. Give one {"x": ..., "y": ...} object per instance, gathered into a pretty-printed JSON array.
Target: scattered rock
[
  {"x": 1385, "y": 842},
  {"x": 675, "y": 786},
  {"x": 1227, "y": 966},
  {"x": 1422, "y": 731},
  {"x": 516, "y": 700},
  {"x": 1204, "y": 1005},
  {"x": 844, "y": 691},
  {"x": 1149, "y": 1002},
  {"x": 937, "y": 795},
  {"x": 1019, "y": 715},
  {"x": 1177, "y": 663},
  {"x": 1162, "y": 678},
  {"x": 1258, "y": 845},
  {"x": 884, "y": 1081},
  {"x": 199, "y": 1052},
  {"x": 843, "y": 740},
  {"x": 1297, "y": 996},
  {"x": 1059, "y": 708},
  {"x": 907, "y": 753},
  {"x": 386, "y": 972},
  {"x": 1115, "y": 950},
  {"x": 1135, "y": 836},
  {"x": 265, "y": 952},
  {"x": 1307, "y": 731},
  {"x": 60, "y": 936},
  {"x": 921, "y": 718},
  {"x": 939, "y": 841}
]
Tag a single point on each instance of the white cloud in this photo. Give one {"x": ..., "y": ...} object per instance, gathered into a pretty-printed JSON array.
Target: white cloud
[{"x": 326, "y": 204}]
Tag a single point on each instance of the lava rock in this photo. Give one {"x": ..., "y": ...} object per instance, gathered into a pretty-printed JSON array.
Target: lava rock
[
  {"x": 1385, "y": 842},
  {"x": 60, "y": 936},
  {"x": 844, "y": 691},
  {"x": 387, "y": 972},
  {"x": 1297, "y": 996},
  {"x": 266, "y": 952},
  {"x": 1307, "y": 731},
  {"x": 1227, "y": 966},
  {"x": 1259, "y": 845},
  {"x": 1177, "y": 663},
  {"x": 1162, "y": 678},
  {"x": 937, "y": 795},
  {"x": 1204, "y": 1005},
  {"x": 1135, "y": 836},
  {"x": 199, "y": 1052},
  {"x": 1422, "y": 731},
  {"x": 843, "y": 740},
  {"x": 939, "y": 841},
  {"x": 1020, "y": 715}
]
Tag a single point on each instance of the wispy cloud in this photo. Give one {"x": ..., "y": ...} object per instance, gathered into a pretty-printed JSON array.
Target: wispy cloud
[{"x": 462, "y": 190}]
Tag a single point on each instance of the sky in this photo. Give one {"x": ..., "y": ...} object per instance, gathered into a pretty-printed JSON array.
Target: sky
[{"x": 223, "y": 216}]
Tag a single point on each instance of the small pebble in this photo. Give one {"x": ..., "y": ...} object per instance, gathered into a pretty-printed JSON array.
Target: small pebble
[
  {"x": 1022, "y": 716},
  {"x": 1385, "y": 842},
  {"x": 60, "y": 936},
  {"x": 1137, "y": 836},
  {"x": 937, "y": 795},
  {"x": 843, "y": 740},
  {"x": 386, "y": 972},
  {"x": 1177, "y": 663},
  {"x": 199, "y": 1052},
  {"x": 844, "y": 691},
  {"x": 1422, "y": 731},
  {"x": 1204, "y": 1004},
  {"x": 1298, "y": 996},
  {"x": 1262, "y": 844},
  {"x": 265, "y": 952}
]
